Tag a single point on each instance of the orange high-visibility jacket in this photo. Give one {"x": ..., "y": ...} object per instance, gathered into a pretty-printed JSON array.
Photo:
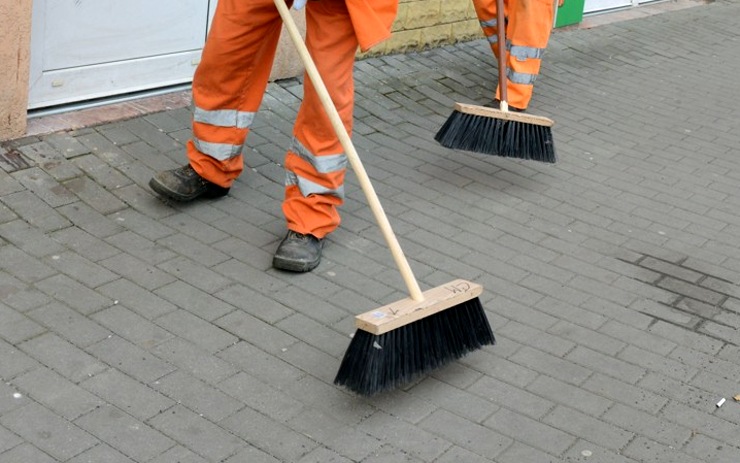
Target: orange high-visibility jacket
[
  {"x": 528, "y": 27},
  {"x": 231, "y": 79}
]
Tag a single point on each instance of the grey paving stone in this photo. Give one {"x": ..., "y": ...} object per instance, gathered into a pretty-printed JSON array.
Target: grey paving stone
[
  {"x": 17, "y": 327},
  {"x": 35, "y": 212},
  {"x": 456, "y": 454},
  {"x": 321, "y": 454},
  {"x": 24, "y": 453},
  {"x": 84, "y": 243},
  {"x": 466, "y": 434},
  {"x": 314, "y": 334},
  {"x": 131, "y": 326},
  {"x": 307, "y": 358},
  {"x": 48, "y": 432},
  {"x": 572, "y": 396},
  {"x": 80, "y": 269},
  {"x": 452, "y": 399},
  {"x": 73, "y": 294},
  {"x": 193, "y": 249},
  {"x": 104, "y": 149},
  {"x": 137, "y": 272},
  {"x": 69, "y": 324},
  {"x": 555, "y": 345},
  {"x": 708, "y": 449},
  {"x": 101, "y": 452},
  {"x": 645, "y": 449},
  {"x": 101, "y": 172},
  {"x": 58, "y": 394},
  {"x": 646, "y": 425},
  {"x": 63, "y": 357},
  {"x": 45, "y": 187},
  {"x": 543, "y": 362},
  {"x": 595, "y": 361},
  {"x": 147, "y": 250},
  {"x": 584, "y": 451},
  {"x": 413, "y": 440},
  {"x": 8, "y": 440},
  {"x": 324, "y": 428},
  {"x": 13, "y": 361},
  {"x": 195, "y": 273},
  {"x": 252, "y": 454},
  {"x": 589, "y": 428},
  {"x": 269, "y": 435},
  {"x": 191, "y": 359},
  {"x": 267, "y": 283},
  {"x": 497, "y": 367},
  {"x": 179, "y": 454},
  {"x": 134, "y": 398},
  {"x": 198, "y": 396},
  {"x": 250, "y": 359},
  {"x": 11, "y": 398},
  {"x": 196, "y": 330},
  {"x": 124, "y": 433},
  {"x": 91, "y": 216},
  {"x": 530, "y": 432},
  {"x": 130, "y": 359}
]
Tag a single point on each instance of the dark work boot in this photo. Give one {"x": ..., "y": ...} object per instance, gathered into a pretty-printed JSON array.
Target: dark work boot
[
  {"x": 298, "y": 252},
  {"x": 184, "y": 184}
]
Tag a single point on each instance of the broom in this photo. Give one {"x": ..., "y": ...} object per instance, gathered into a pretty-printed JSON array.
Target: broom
[
  {"x": 499, "y": 132},
  {"x": 403, "y": 340}
]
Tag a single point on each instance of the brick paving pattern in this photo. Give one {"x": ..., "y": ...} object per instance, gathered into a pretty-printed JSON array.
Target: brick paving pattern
[{"x": 135, "y": 330}]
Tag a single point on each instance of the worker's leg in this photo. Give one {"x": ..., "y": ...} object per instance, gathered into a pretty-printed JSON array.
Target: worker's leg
[
  {"x": 316, "y": 163},
  {"x": 528, "y": 30},
  {"x": 486, "y": 11},
  {"x": 228, "y": 87}
]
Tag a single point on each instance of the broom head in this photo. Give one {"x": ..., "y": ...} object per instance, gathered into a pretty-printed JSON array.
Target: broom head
[
  {"x": 399, "y": 342},
  {"x": 485, "y": 130}
]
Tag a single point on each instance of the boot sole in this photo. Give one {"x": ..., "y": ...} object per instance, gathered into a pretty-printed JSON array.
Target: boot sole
[
  {"x": 212, "y": 192},
  {"x": 294, "y": 266}
]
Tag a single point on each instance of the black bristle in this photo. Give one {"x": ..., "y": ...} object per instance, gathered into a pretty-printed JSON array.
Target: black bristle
[
  {"x": 376, "y": 363},
  {"x": 498, "y": 137}
]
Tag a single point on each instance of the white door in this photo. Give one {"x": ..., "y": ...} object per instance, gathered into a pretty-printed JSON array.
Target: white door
[
  {"x": 592, "y": 6},
  {"x": 82, "y": 49}
]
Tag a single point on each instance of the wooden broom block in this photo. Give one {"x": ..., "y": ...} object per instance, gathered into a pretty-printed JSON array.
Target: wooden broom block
[
  {"x": 507, "y": 115},
  {"x": 405, "y": 311}
]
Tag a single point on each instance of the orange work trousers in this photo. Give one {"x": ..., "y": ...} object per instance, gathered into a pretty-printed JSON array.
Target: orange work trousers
[
  {"x": 228, "y": 88},
  {"x": 528, "y": 27}
]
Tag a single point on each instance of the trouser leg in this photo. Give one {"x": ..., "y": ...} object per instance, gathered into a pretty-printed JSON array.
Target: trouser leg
[
  {"x": 316, "y": 163},
  {"x": 528, "y": 31},
  {"x": 229, "y": 84}
]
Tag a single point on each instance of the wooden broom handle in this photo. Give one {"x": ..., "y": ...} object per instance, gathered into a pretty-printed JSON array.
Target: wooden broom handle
[
  {"x": 501, "y": 32},
  {"x": 349, "y": 149}
]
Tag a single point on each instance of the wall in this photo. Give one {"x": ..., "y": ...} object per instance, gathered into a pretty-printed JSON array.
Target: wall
[
  {"x": 15, "y": 43},
  {"x": 429, "y": 23}
]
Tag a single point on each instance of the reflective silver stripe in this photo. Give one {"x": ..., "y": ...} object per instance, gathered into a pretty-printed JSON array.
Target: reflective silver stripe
[
  {"x": 224, "y": 117},
  {"x": 493, "y": 38},
  {"x": 520, "y": 77},
  {"x": 491, "y": 23},
  {"x": 524, "y": 53},
  {"x": 308, "y": 187},
  {"x": 220, "y": 151},
  {"x": 322, "y": 164}
]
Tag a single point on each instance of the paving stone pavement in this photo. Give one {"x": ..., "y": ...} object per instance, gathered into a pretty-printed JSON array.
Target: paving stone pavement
[{"x": 134, "y": 330}]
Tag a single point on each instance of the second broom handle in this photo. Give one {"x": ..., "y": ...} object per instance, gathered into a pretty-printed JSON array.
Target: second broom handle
[
  {"x": 349, "y": 149},
  {"x": 501, "y": 32}
]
